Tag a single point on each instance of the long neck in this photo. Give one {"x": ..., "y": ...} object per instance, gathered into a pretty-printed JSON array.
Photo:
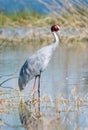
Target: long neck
[{"x": 56, "y": 40}]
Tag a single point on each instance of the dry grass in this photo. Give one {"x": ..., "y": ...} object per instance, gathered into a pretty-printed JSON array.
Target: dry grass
[
  {"x": 12, "y": 98},
  {"x": 51, "y": 109}
]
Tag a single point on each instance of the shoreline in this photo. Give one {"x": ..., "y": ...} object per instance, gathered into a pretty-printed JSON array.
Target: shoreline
[{"x": 27, "y": 34}]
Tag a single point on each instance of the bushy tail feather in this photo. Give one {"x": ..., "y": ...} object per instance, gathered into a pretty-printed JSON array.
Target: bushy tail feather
[{"x": 20, "y": 84}]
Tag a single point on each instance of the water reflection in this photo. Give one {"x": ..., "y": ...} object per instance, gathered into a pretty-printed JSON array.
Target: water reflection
[
  {"x": 30, "y": 120},
  {"x": 33, "y": 119}
]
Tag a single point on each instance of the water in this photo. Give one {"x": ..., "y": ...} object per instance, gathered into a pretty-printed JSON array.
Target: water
[
  {"x": 40, "y": 7},
  {"x": 64, "y": 88}
]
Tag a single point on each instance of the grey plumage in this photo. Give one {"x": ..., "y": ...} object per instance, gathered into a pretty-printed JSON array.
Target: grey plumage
[{"x": 36, "y": 63}]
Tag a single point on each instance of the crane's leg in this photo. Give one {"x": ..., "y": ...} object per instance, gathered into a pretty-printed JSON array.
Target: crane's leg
[
  {"x": 39, "y": 93},
  {"x": 39, "y": 86},
  {"x": 34, "y": 87}
]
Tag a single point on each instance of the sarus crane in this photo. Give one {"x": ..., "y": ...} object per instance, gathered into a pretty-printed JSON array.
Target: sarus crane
[{"x": 37, "y": 62}]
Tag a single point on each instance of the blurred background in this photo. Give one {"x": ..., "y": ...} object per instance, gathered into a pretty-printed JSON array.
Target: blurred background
[{"x": 69, "y": 14}]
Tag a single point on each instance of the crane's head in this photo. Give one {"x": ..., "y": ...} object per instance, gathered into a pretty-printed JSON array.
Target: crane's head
[{"x": 54, "y": 28}]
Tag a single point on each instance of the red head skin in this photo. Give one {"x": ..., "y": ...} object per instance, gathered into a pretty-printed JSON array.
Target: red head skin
[{"x": 54, "y": 28}]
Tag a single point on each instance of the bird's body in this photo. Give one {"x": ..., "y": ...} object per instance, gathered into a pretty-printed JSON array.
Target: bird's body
[
  {"x": 36, "y": 63},
  {"x": 30, "y": 69}
]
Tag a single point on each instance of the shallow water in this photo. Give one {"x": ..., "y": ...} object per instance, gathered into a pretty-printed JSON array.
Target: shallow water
[{"x": 64, "y": 89}]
